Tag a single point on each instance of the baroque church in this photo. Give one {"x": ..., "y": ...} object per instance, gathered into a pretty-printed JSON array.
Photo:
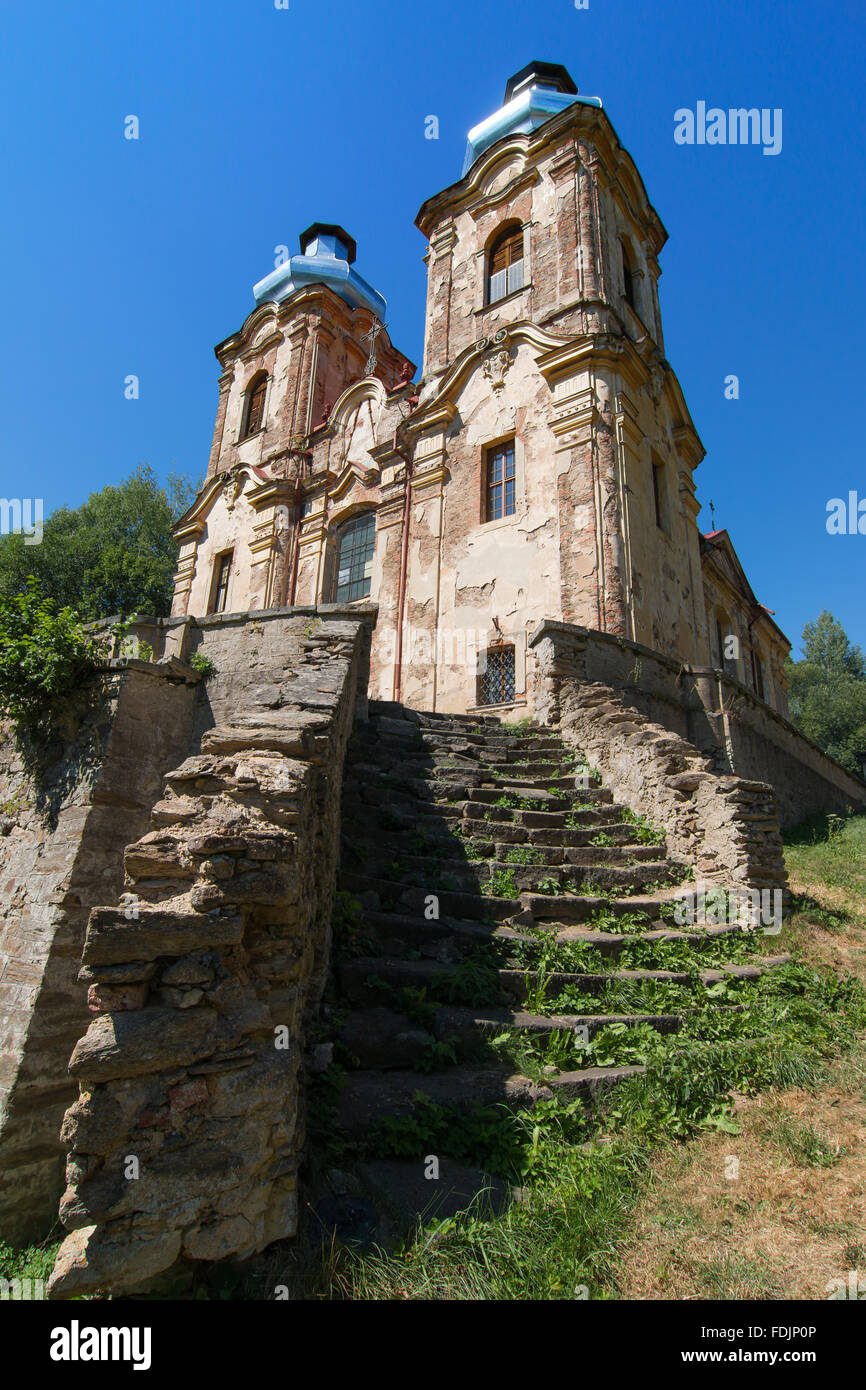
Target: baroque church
[{"x": 540, "y": 467}]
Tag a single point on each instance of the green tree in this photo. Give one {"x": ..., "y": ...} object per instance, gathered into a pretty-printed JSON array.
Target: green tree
[
  {"x": 113, "y": 554},
  {"x": 826, "y": 645},
  {"x": 827, "y": 692}
]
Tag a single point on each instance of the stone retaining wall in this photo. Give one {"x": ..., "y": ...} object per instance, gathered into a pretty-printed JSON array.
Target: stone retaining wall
[
  {"x": 185, "y": 1140},
  {"x": 727, "y": 827},
  {"x": 63, "y": 833},
  {"x": 740, "y": 734}
]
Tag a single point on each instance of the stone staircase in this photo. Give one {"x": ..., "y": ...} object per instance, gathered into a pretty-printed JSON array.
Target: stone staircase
[{"x": 467, "y": 845}]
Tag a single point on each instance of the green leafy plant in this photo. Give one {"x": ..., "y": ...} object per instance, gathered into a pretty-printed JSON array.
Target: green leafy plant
[
  {"x": 45, "y": 654},
  {"x": 501, "y": 884},
  {"x": 646, "y": 833},
  {"x": 523, "y": 854},
  {"x": 203, "y": 664}
]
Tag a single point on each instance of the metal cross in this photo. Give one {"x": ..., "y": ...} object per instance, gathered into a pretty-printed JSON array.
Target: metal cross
[
  {"x": 713, "y": 514},
  {"x": 375, "y": 329}
]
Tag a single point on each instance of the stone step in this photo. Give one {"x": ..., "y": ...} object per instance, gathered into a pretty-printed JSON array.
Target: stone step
[
  {"x": 519, "y": 983},
  {"x": 501, "y": 816},
  {"x": 538, "y": 908},
  {"x": 441, "y": 840},
  {"x": 448, "y": 939},
  {"x": 371, "y": 981},
  {"x": 368, "y": 1096},
  {"x": 411, "y": 899},
  {"x": 543, "y": 800},
  {"x": 457, "y": 769},
  {"x": 552, "y": 831},
  {"x": 588, "y": 867},
  {"x": 453, "y": 850},
  {"x": 465, "y": 1024},
  {"x": 394, "y": 710},
  {"x": 385, "y": 1039}
]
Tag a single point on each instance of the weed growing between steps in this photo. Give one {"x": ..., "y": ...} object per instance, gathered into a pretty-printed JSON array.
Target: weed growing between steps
[{"x": 578, "y": 1172}]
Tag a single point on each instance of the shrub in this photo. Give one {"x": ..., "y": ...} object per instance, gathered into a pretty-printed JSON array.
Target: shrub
[
  {"x": 202, "y": 664},
  {"x": 45, "y": 653}
]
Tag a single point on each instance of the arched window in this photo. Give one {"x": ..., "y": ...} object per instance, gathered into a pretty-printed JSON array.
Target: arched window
[
  {"x": 505, "y": 264},
  {"x": 254, "y": 410},
  {"x": 628, "y": 278},
  {"x": 356, "y": 541}
]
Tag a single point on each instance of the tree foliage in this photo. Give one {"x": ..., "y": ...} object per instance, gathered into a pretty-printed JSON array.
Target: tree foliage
[
  {"x": 44, "y": 654},
  {"x": 113, "y": 554},
  {"x": 827, "y": 692}
]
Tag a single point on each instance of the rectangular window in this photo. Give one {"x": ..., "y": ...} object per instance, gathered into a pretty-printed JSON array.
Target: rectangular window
[
  {"x": 501, "y": 497},
  {"x": 222, "y": 576},
  {"x": 496, "y": 683},
  {"x": 659, "y": 495},
  {"x": 355, "y": 549}
]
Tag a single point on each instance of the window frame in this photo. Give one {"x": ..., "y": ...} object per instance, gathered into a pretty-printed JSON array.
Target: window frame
[
  {"x": 506, "y": 239},
  {"x": 343, "y": 530},
  {"x": 258, "y": 383},
  {"x": 508, "y": 449},
  {"x": 661, "y": 494},
  {"x": 628, "y": 276},
  {"x": 502, "y": 649},
  {"x": 222, "y": 566}
]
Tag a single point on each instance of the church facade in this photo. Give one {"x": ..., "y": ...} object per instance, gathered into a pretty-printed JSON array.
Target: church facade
[{"x": 540, "y": 467}]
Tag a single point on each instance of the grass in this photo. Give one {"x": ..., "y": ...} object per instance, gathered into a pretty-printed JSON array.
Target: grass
[
  {"x": 33, "y": 1262},
  {"x": 791, "y": 1221},
  {"x": 725, "y": 1172},
  {"x": 636, "y": 1199}
]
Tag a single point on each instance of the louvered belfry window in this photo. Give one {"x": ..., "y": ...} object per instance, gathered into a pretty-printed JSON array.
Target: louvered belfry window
[
  {"x": 505, "y": 268},
  {"x": 496, "y": 683},
  {"x": 255, "y": 407}
]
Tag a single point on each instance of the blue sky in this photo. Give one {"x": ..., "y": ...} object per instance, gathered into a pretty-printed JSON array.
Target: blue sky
[{"x": 138, "y": 256}]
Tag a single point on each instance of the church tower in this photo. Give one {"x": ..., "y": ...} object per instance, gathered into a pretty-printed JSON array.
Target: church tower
[
  {"x": 310, "y": 336},
  {"x": 547, "y": 398}
]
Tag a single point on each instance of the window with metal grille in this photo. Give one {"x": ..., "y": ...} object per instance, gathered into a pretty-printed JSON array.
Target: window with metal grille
[
  {"x": 355, "y": 546},
  {"x": 255, "y": 410},
  {"x": 501, "y": 482},
  {"x": 496, "y": 683},
  {"x": 222, "y": 576},
  {"x": 505, "y": 264}
]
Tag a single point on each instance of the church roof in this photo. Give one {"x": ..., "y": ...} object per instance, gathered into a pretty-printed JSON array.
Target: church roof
[
  {"x": 327, "y": 253},
  {"x": 717, "y": 543},
  {"x": 532, "y": 96}
]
